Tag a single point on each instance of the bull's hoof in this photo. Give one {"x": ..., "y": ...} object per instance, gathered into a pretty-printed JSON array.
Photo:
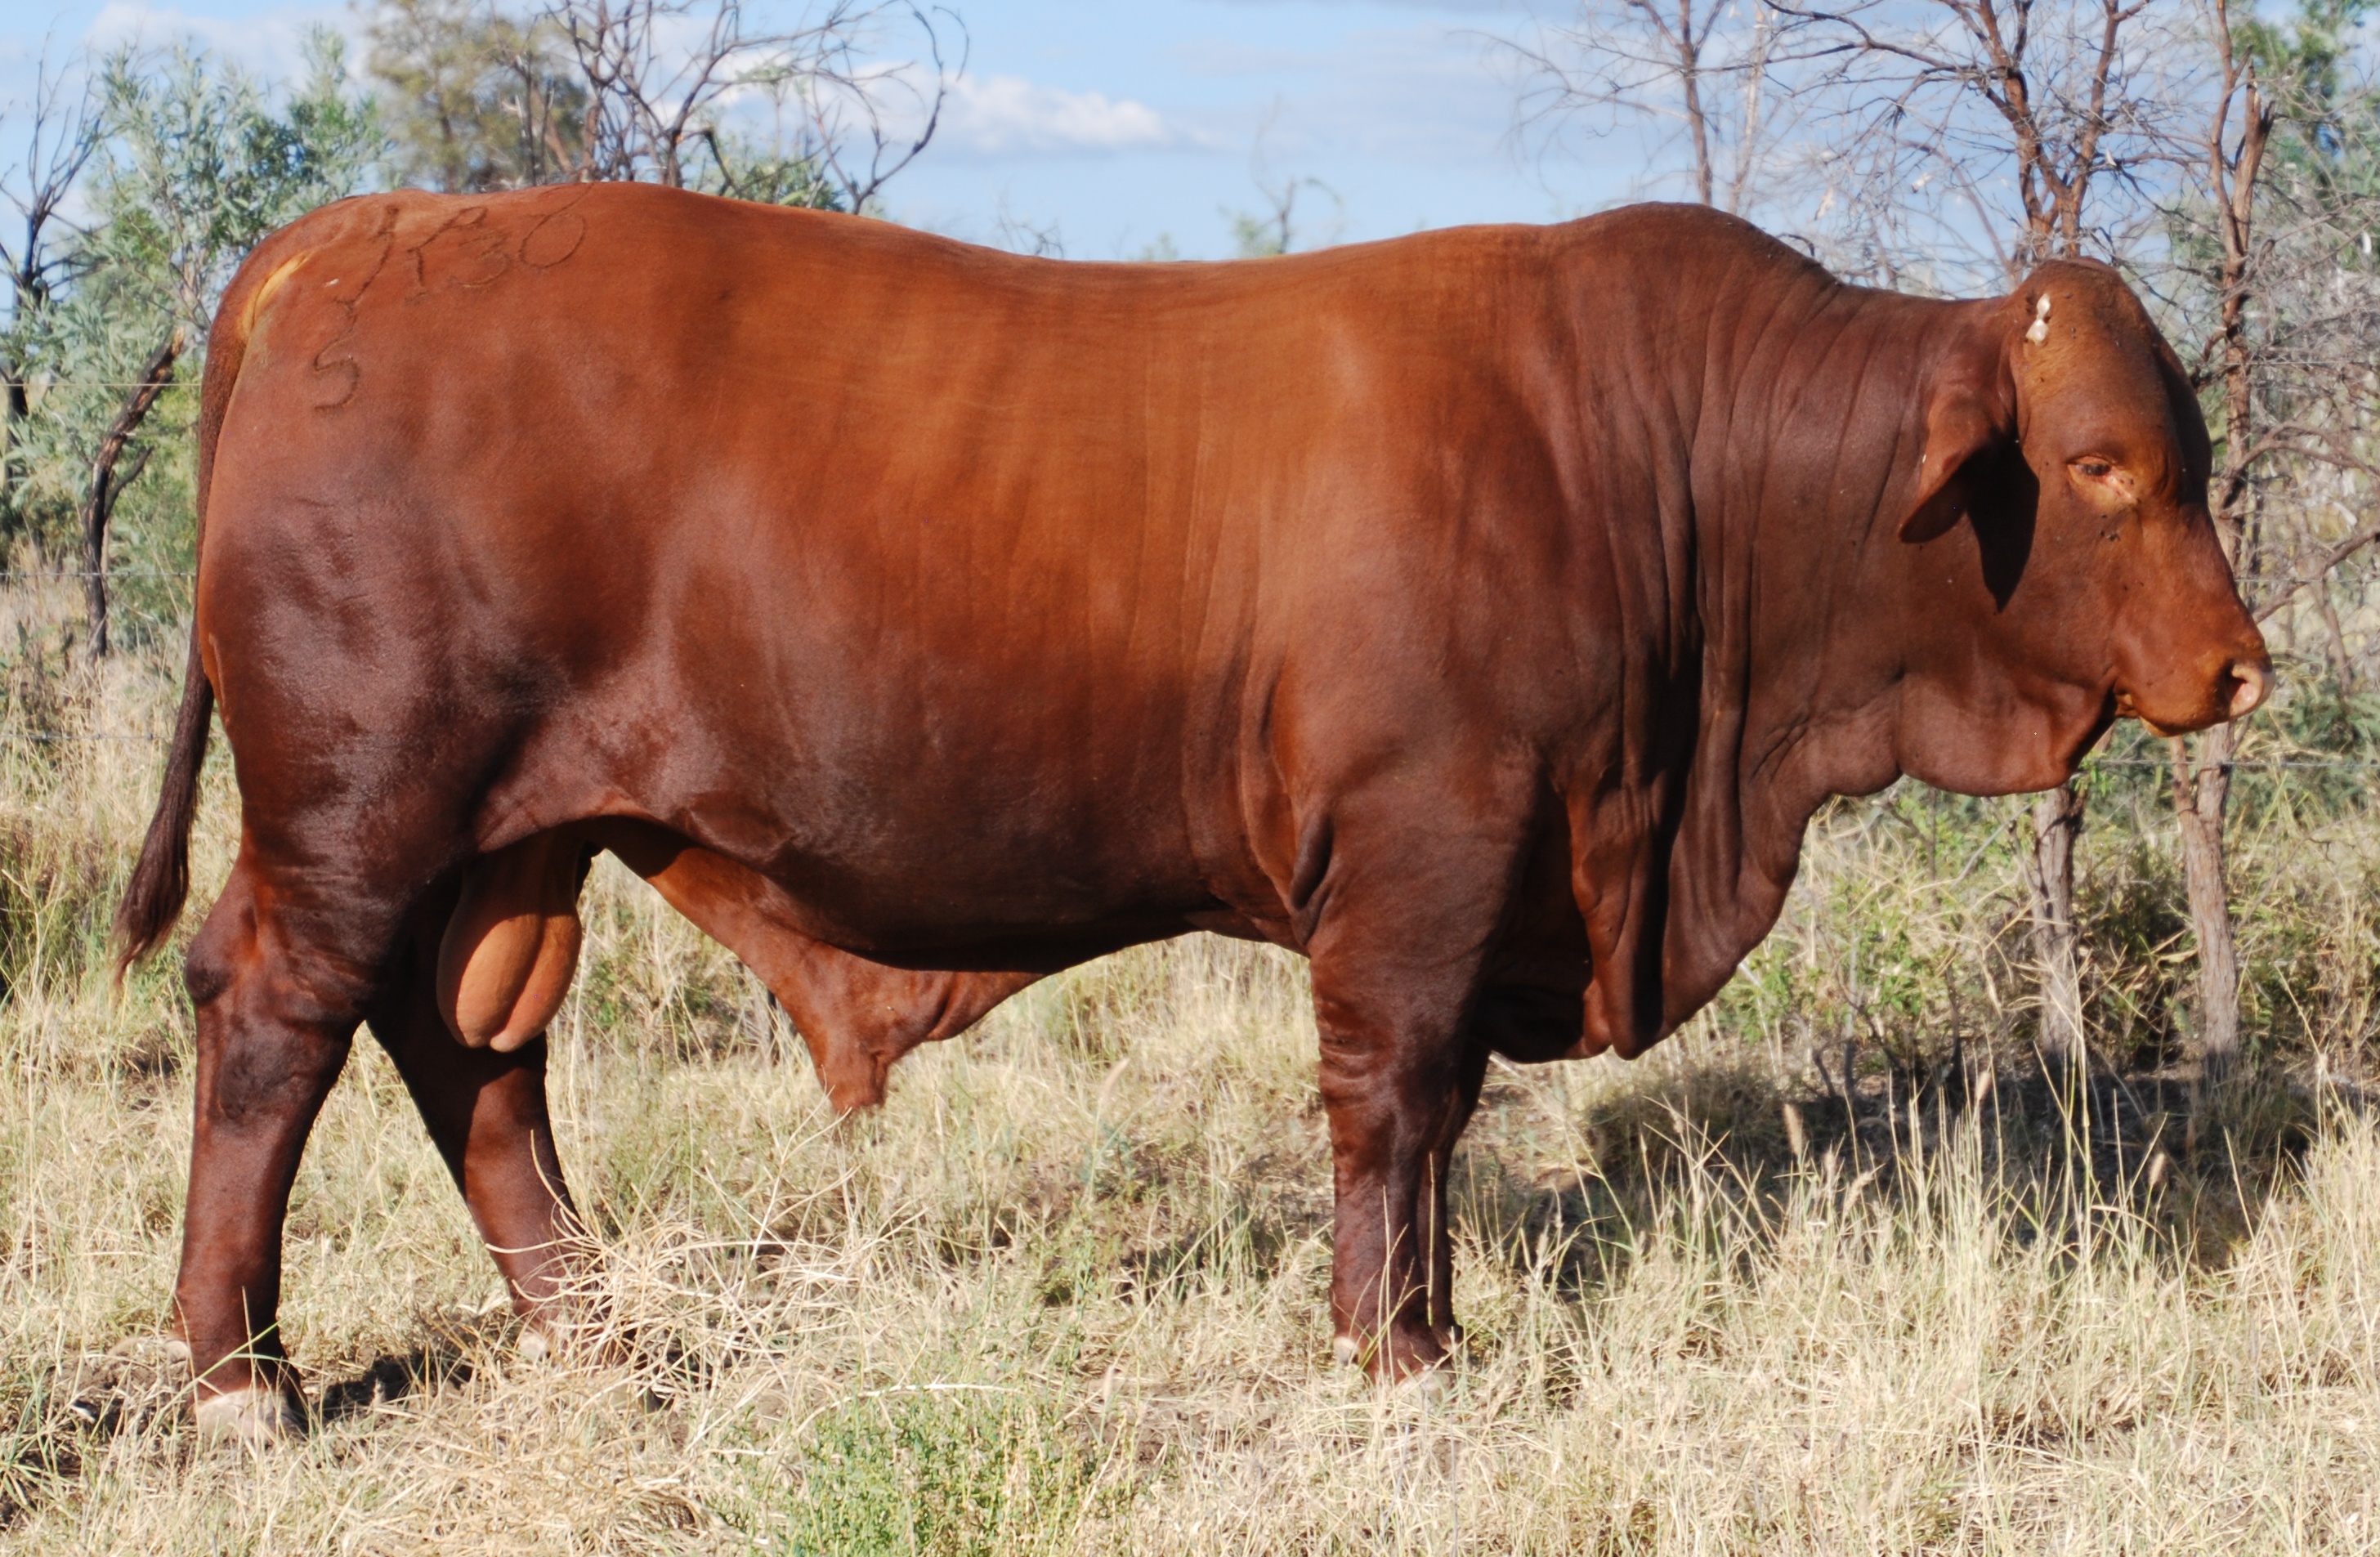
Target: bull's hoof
[
  {"x": 1428, "y": 1386},
  {"x": 576, "y": 1333},
  {"x": 556, "y": 1341},
  {"x": 258, "y": 1417},
  {"x": 1414, "y": 1367}
]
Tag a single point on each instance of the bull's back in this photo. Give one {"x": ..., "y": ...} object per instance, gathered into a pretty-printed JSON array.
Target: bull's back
[{"x": 899, "y": 544}]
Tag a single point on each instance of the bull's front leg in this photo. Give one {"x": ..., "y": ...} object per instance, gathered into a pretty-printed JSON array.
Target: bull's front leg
[
  {"x": 1397, "y": 959},
  {"x": 1399, "y": 1088}
]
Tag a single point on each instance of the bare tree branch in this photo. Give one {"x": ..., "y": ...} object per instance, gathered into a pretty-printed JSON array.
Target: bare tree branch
[
  {"x": 661, "y": 75},
  {"x": 99, "y": 503},
  {"x": 61, "y": 138},
  {"x": 1703, "y": 66}
]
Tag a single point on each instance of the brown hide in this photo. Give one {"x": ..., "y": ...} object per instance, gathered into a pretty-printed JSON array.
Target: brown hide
[{"x": 1482, "y": 614}]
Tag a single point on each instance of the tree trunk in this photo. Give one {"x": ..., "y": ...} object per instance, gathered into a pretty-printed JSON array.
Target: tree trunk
[
  {"x": 2342, "y": 663},
  {"x": 2199, "y": 795},
  {"x": 19, "y": 412},
  {"x": 98, "y": 503},
  {"x": 2057, "y": 822}
]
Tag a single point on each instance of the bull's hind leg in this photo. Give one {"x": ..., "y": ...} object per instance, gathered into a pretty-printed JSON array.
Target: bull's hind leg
[
  {"x": 486, "y": 1111},
  {"x": 279, "y": 977},
  {"x": 290, "y": 959}
]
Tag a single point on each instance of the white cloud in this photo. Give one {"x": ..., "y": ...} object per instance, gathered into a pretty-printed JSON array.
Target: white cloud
[{"x": 997, "y": 116}]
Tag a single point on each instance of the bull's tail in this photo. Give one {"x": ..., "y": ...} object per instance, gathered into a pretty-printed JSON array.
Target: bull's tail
[{"x": 161, "y": 879}]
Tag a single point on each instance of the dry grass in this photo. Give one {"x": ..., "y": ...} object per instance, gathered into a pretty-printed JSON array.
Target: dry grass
[{"x": 1066, "y": 1292}]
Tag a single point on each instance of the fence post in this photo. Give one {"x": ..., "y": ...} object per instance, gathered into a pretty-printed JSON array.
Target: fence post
[
  {"x": 2200, "y": 797},
  {"x": 2057, "y": 822}
]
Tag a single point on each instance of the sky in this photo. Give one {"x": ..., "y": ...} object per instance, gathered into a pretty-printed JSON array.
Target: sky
[{"x": 1107, "y": 129}]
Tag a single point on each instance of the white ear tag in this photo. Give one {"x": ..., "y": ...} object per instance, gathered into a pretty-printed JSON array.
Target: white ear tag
[{"x": 2040, "y": 330}]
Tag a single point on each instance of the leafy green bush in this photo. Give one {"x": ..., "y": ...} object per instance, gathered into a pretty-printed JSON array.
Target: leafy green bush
[{"x": 944, "y": 1472}]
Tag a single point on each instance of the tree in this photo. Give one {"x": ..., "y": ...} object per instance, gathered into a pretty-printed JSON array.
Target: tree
[
  {"x": 2278, "y": 242},
  {"x": 174, "y": 165},
  {"x": 61, "y": 135},
  {"x": 1949, "y": 144},
  {"x": 1703, "y": 69},
  {"x": 1996, "y": 134},
  {"x": 691, "y": 93},
  {"x": 194, "y": 168},
  {"x": 2238, "y": 132},
  {"x": 1985, "y": 137},
  {"x": 1277, "y": 229},
  {"x": 475, "y": 98},
  {"x": 661, "y": 76},
  {"x": 1274, "y": 231}
]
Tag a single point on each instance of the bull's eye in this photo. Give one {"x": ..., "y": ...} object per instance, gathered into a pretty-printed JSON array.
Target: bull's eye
[{"x": 2104, "y": 484}]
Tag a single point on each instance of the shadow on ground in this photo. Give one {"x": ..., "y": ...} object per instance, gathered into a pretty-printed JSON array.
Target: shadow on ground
[{"x": 1536, "y": 1175}]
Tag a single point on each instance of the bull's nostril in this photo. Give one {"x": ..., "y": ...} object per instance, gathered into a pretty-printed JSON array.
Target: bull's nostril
[{"x": 2248, "y": 689}]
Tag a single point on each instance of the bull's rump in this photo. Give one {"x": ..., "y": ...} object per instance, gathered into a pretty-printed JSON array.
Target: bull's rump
[{"x": 950, "y": 588}]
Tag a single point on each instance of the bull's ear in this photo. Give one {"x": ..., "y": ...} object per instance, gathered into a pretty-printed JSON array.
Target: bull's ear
[
  {"x": 1959, "y": 432},
  {"x": 1970, "y": 417}
]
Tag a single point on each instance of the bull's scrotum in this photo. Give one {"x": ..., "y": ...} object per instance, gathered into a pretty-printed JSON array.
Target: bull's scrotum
[{"x": 512, "y": 945}]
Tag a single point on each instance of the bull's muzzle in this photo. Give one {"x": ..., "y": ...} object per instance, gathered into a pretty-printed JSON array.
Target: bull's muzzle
[
  {"x": 2227, "y": 685},
  {"x": 2249, "y": 679}
]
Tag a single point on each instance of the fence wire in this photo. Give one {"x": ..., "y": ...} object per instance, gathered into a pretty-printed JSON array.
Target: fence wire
[{"x": 59, "y": 576}]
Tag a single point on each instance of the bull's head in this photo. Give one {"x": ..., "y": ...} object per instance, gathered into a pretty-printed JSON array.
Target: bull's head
[{"x": 2087, "y": 583}]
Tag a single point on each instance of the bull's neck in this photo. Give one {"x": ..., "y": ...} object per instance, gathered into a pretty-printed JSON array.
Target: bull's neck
[
  {"x": 1807, "y": 434},
  {"x": 1810, "y": 455}
]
